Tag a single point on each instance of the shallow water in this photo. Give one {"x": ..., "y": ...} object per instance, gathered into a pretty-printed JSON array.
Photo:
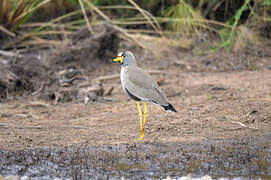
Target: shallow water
[{"x": 229, "y": 159}]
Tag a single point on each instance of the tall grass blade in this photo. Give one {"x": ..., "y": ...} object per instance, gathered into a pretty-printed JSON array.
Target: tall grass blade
[
  {"x": 145, "y": 15},
  {"x": 229, "y": 36},
  {"x": 97, "y": 10},
  {"x": 185, "y": 12},
  {"x": 85, "y": 15},
  {"x": 31, "y": 9},
  {"x": 7, "y": 31}
]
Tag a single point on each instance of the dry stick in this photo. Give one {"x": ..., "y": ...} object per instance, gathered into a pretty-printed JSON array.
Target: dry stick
[
  {"x": 85, "y": 16},
  {"x": 32, "y": 9},
  {"x": 260, "y": 99},
  {"x": 6, "y": 125},
  {"x": 243, "y": 125},
  {"x": 217, "y": 5},
  {"x": 116, "y": 27},
  {"x": 97, "y": 10},
  {"x": 161, "y": 81},
  {"x": 7, "y": 31},
  {"x": 135, "y": 8},
  {"x": 109, "y": 91},
  {"x": 145, "y": 15},
  {"x": 101, "y": 78},
  {"x": 174, "y": 94},
  {"x": 9, "y": 54},
  {"x": 109, "y": 21},
  {"x": 131, "y": 37}
]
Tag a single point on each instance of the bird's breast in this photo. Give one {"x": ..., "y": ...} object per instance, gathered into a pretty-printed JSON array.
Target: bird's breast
[{"x": 123, "y": 76}]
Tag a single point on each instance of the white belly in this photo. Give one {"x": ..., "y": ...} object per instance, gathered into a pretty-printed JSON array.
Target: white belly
[{"x": 122, "y": 72}]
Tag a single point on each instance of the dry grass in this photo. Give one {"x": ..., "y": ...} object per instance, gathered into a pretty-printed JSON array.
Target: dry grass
[
  {"x": 191, "y": 19},
  {"x": 245, "y": 37},
  {"x": 182, "y": 20},
  {"x": 13, "y": 15}
]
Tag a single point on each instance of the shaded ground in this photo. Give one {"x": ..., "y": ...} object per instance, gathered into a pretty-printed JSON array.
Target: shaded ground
[{"x": 218, "y": 108}]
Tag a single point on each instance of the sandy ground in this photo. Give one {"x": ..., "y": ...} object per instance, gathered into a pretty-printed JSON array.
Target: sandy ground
[
  {"x": 211, "y": 105},
  {"x": 222, "y": 128}
]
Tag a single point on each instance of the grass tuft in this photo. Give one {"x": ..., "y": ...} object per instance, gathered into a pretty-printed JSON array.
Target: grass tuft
[
  {"x": 244, "y": 39},
  {"x": 190, "y": 19}
]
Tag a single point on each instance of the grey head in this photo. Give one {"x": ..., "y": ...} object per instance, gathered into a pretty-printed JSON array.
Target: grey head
[{"x": 128, "y": 58}]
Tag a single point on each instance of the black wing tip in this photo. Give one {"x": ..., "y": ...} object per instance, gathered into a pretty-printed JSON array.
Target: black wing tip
[{"x": 170, "y": 107}]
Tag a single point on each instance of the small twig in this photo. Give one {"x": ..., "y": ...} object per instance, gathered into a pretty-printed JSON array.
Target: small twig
[
  {"x": 85, "y": 16},
  {"x": 129, "y": 36},
  {"x": 36, "y": 105},
  {"x": 232, "y": 129},
  {"x": 17, "y": 115},
  {"x": 92, "y": 6},
  {"x": 64, "y": 82},
  {"x": 174, "y": 94},
  {"x": 261, "y": 99},
  {"x": 145, "y": 15},
  {"x": 161, "y": 81},
  {"x": 109, "y": 91},
  {"x": 9, "y": 54},
  {"x": 101, "y": 78},
  {"x": 243, "y": 125},
  {"x": 217, "y": 5},
  {"x": 39, "y": 90},
  {"x": 6, "y": 125},
  {"x": 7, "y": 31}
]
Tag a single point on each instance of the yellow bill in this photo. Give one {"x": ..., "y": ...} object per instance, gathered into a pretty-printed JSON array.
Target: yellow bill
[{"x": 118, "y": 59}]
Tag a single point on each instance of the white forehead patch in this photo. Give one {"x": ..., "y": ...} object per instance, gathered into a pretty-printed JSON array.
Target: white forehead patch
[{"x": 120, "y": 53}]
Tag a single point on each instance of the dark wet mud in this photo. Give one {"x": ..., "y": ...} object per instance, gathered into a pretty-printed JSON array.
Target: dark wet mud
[{"x": 248, "y": 158}]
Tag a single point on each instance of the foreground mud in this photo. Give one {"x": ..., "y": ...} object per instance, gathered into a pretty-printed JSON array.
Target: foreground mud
[{"x": 247, "y": 158}]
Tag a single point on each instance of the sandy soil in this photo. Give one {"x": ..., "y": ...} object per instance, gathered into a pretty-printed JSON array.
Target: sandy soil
[
  {"x": 211, "y": 105},
  {"x": 222, "y": 128}
]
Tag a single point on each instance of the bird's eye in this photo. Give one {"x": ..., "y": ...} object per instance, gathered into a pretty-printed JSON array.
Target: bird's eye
[{"x": 124, "y": 56}]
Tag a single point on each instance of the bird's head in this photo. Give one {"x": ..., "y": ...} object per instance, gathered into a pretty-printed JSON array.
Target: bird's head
[{"x": 125, "y": 58}]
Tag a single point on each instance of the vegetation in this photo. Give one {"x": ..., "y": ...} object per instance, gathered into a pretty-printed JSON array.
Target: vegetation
[{"x": 238, "y": 23}]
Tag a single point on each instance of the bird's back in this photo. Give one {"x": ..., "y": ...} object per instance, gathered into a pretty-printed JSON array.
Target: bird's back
[{"x": 142, "y": 85}]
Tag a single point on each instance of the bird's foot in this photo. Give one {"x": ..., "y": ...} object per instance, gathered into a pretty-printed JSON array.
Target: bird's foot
[{"x": 141, "y": 137}]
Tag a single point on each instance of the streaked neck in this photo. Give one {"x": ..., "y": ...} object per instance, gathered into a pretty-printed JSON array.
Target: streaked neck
[{"x": 128, "y": 63}]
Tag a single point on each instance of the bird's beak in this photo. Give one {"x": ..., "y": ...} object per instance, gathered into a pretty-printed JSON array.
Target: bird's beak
[{"x": 118, "y": 59}]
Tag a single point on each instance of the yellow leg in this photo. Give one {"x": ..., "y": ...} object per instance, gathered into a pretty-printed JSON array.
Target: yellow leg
[
  {"x": 145, "y": 116},
  {"x": 141, "y": 125}
]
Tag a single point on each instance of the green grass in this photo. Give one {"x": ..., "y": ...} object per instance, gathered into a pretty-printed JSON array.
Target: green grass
[
  {"x": 179, "y": 18},
  {"x": 190, "y": 19}
]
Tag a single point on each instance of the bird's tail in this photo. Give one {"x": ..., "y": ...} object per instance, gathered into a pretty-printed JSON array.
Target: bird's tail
[{"x": 170, "y": 107}]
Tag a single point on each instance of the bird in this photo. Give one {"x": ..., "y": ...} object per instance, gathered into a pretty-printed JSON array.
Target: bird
[{"x": 140, "y": 86}]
